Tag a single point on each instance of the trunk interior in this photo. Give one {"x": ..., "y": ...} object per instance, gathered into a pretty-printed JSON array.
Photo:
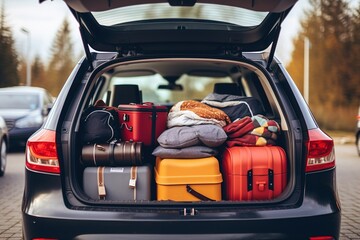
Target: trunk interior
[{"x": 167, "y": 82}]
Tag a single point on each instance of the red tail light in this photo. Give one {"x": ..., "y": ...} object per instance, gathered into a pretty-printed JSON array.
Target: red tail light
[
  {"x": 321, "y": 154},
  {"x": 41, "y": 154}
]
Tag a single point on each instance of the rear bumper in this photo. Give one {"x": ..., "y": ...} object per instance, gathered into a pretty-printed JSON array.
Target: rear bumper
[{"x": 46, "y": 215}]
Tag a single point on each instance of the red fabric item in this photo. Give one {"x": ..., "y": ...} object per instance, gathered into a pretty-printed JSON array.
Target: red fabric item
[{"x": 239, "y": 127}]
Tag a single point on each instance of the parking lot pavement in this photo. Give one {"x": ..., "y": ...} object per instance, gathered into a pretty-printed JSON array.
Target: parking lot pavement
[
  {"x": 348, "y": 179},
  {"x": 11, "y": 189}
]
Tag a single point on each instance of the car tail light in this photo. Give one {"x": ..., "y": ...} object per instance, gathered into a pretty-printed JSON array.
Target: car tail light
[
  {"x": 320, "y": 151},
  {"x": 41, "y": 154}
]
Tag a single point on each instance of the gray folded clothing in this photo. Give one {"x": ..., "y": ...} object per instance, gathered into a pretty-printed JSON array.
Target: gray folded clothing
[
  {"x": 187, "y": 136},
  {"x": 188, "y": 152}
]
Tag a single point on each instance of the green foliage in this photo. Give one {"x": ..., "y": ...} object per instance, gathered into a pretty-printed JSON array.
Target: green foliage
[
  {"x": 8, "y": 57},
  {"x": 333, "y": 31},
  {"x": 38, "y": 73}
]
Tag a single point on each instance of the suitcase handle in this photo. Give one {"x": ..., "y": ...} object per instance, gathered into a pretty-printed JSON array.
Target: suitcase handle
[
  {"x": 197, "y": 194},
  {"x": 126, "y": 126}
]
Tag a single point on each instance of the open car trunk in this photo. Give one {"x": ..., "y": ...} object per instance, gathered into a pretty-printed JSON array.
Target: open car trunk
[{"x": 182, "y": 179}]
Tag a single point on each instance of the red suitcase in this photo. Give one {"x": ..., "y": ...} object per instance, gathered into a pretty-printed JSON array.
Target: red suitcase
[
  {"x": 254, "y": 173},
  {"x": 142, "y": 122}
]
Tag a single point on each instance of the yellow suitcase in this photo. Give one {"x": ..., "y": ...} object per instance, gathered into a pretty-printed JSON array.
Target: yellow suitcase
[{"x": 188, "y": 179}]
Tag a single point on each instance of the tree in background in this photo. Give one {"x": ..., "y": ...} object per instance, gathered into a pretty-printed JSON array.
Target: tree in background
[
  {"x": 333, "y": 79},
  {"x": 354, "y": 57},
  {"x": 8, "y": 56},
  {"x": 61, "y": 61},
  {"x": 38, "y": 73}
]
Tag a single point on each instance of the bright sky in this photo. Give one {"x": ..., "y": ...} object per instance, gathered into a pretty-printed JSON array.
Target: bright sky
[{"x": 43, "y": 21}]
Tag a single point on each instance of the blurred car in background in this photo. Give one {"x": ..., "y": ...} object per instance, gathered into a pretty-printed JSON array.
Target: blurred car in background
[
  {"x": 3, "y": 146},
  {"x": 24, "y": 110},
  {"x": 357, "y": 134}
]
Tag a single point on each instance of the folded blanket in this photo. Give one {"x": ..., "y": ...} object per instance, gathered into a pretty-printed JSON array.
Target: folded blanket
[
  {"x": 252, "y": 131},
  {"x": 190, "y": 112}
]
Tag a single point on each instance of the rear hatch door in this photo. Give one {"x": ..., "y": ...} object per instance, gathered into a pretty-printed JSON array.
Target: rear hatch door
[{"x": 180, "y": 25}]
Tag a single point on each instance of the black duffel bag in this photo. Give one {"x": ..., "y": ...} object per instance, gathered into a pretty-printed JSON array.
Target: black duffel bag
[
  {"x": 113, "y": 154},
  {"x": 100, "y": 124}
]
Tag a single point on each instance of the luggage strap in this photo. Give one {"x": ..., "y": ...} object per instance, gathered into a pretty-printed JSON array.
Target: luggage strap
[
  {"x": 98, "y": 147},
  {"x": 111, "y": 152},
  {"x": 133, "y": 177},
  {"x": 197, "y": 194},
  {"x": 103, "y": 149},
  {"x": 101, "y": 183},
  {"x": 133, "y": 153}
]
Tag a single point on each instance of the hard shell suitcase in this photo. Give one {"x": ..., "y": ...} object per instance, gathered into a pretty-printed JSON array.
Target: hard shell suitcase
[
  {"x": 112, "y": 154},
  {"x": 142, "y": 122},
  {"x": 254, "y": 173},
  {"x": 118, "y": 183},
  {"x": 188, "y": 179}
]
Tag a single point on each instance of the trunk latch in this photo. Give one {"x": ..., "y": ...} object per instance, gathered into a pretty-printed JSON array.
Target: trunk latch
[{"x": 188, "y": 212}]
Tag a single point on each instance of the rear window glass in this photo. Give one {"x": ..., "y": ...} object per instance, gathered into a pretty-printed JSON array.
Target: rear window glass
[
  {"x": 214, "y": 12},
  {"x": 19, "y": 101},
  {"x": 193, "y": 87}
]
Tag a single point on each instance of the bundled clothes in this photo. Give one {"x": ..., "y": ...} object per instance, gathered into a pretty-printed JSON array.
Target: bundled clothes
[
  {"x": 195, "y": 130},
  {"x": 234, "y": 106},
  {"x": 252, "y": 131},
  {"x": 190, "y": 112}
]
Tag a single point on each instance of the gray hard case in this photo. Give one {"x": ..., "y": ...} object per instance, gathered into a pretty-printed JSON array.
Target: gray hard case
[{"x": 117, "y": 183}]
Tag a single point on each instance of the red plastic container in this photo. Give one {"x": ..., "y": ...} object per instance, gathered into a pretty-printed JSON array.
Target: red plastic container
[
  {"x": 254, "y": 173},
  {"x": 142, "y": 122}
]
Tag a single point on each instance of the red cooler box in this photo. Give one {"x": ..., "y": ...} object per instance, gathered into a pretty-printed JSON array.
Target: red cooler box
[
  {"x": 142, "y": 122},
  {"x": 254, "y": 173}
]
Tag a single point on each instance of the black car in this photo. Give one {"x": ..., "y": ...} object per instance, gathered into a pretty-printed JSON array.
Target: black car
[
  {"x": 24, "y": 109},
  {"x": 176, "y": 51}
]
